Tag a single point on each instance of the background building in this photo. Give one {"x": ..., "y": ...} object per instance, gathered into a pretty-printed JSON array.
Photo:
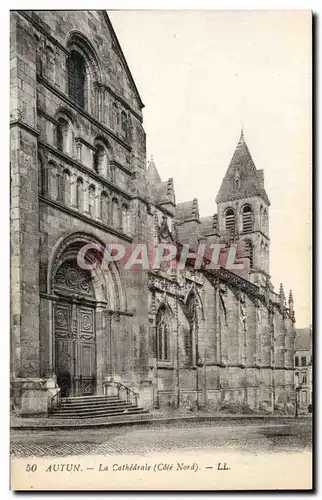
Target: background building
[
  {"x": 79, "y": 176},
  {"x": 303, "y": 366}
]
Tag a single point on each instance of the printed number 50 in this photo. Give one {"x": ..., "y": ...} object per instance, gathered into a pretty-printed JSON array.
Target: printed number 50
[{"x": 31, "y": 468}]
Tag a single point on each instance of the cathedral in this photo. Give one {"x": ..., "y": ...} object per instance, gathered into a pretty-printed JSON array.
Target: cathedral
[{"x": 178, "y": 338}]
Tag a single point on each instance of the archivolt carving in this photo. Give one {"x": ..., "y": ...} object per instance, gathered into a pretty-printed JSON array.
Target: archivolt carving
[{"x": 70, "y": 278}]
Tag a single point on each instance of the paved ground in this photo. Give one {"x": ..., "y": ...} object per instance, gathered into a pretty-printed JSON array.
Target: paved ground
[{"x": 245, "y": 435}]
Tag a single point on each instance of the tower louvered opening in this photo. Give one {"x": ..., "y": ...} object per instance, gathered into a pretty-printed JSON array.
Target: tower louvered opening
[
  {"x": 247, "y": 219},
  {"x": 230, "y": 220}
]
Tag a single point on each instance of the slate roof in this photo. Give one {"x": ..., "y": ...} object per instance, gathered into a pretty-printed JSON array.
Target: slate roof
[
  {"x": 208, "y": 225},
  {"x": 187, "y": 210},
  {"x": 251, "y": 180}
]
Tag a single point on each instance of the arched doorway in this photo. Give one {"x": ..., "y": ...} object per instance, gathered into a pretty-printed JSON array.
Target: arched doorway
[{"x": 74, "y": 330}]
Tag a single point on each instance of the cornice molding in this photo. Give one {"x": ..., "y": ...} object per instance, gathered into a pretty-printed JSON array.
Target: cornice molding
[
  {"x": 21, "y": 124},
  {"x": 121, "y": 167},
  {"x": 81, "y": 140},
  {"x": 84, "y": 169},
  {"x": 82, "y": 217},
  {"x": 39, "y": 25},
  {"x": 120, "y": 99}
]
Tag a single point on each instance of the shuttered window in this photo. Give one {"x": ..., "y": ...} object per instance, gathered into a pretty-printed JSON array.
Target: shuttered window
[
  {"x": 247, "y": 219},
  {"x": 230, "y": 220}
]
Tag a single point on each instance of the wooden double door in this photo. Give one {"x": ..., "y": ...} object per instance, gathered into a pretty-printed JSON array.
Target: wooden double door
[{"x": 75, "y": 348}]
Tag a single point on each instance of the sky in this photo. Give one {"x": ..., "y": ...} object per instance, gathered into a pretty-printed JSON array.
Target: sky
[{"x": 203, "y": 75}]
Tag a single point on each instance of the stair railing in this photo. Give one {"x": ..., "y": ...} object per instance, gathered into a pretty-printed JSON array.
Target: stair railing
[
  {"x": 55, "y": 402},
  {"x": 122, "y": 391}
]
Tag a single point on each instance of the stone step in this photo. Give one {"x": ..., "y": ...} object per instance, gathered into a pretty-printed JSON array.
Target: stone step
[
  {"x": 89, "y": 399},
  {"x": 93, "y": 414},
  {"x": 79, "y": 411},
  {"x": 76, "y": 409},
  {"x": 100, "y": 402}
]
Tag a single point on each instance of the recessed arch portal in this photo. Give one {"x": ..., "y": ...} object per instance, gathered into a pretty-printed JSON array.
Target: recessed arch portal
[{"x": 80, "y": 297}]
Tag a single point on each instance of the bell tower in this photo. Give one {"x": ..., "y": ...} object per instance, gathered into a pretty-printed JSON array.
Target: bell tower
[{"x": 243, "y": 211}]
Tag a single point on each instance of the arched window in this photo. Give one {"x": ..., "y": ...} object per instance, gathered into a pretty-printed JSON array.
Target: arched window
[
  {"x": 91, "y": 200},
  {"x": 116, "y": 213},
  {"x": 104, "y": 207},
  {"x": 249, "y": 252},
  {"x": 66, "y": 188},
  {"x": 262, "y": 253},
  {"x": 247, "y": 216},
  {"x": 50, "y": 63},
  {"x": 115, "y": 115},
  {"x": 265, "y": 219},
  {"x": 77, "y": 78},
  {"x": 125, "y": 216},
  {"x": 43, "y": 177},
  {"x": 79, "y": 194},
  {"x": 61, "y": 133},
  {"x": 64, "y": 136},
  {"x": 124, "y": 123},
  {"x": 163, "y": 336},
  {"x": 230, "y": 220},
  {"x": 53, "y": 181},
  {"x": 100, "y": 160}
]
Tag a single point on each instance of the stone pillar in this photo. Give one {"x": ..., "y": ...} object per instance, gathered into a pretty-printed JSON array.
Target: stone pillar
[
  {"x": 98, "y": 215},
  {"x": 86, "y": 197},
  {"x": 73, "y": 191},
  {"x": 46, "y": 339},
  {"x": 100, "y": 346},
  {"x": 24, "y": 210}
]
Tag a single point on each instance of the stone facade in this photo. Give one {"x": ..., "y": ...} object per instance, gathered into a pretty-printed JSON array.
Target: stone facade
[
  {"x": 181, "y": 338},
  {"x": 303, "y": 359}
]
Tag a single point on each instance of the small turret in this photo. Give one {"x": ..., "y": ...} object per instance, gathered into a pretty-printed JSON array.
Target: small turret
[
  {"x": 291, "y": 305},
  {"x": 282, "y": 297}
]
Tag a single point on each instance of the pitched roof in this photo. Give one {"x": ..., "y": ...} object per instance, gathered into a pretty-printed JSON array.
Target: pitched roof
[
  {"x": 242, "y": 167},
  {"x": 120, "y": 51},
  {"x": 187, "y": 210},
  {"x": 302, "y": 339},
  {"x": 208, "y": 225},
  {"x": 165, "y": 192}
]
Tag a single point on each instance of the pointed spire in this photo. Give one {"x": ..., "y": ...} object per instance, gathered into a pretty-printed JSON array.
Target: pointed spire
[
  {"x": 291, "y": 305},
  {"x": 242, "y": 167},
  {"x": 152, "y": 172}
]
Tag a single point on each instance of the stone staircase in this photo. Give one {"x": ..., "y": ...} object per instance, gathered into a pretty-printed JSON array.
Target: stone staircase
[{"x": 95, "y": 407}]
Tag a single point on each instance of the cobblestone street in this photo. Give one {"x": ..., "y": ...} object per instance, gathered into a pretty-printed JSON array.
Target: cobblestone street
[{"x": 248, "y": 436}]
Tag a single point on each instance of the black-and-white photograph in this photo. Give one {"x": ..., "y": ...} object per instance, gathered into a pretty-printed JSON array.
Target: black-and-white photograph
[{"x": 160, "y": 224}]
